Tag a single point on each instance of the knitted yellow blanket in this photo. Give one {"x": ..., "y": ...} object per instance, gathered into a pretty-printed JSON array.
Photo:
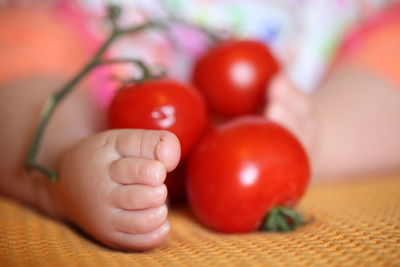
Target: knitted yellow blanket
[{"x": 356, "y": 223}]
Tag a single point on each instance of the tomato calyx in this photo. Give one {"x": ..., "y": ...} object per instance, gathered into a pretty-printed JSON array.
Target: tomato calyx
[{"x": 282, "y": 219}]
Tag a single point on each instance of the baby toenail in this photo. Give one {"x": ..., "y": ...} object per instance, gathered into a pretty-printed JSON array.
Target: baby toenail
[
  {"x": 157, "y": 151},
  {"x": 156, "y": 174},
  {"x": 164, "y": 229},
  {"x": 159, "y": 212},
  {"x": 159, "y": 192}
]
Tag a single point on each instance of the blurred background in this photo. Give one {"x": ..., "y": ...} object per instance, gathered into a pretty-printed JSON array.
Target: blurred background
[{"x": 304, "y": 35}]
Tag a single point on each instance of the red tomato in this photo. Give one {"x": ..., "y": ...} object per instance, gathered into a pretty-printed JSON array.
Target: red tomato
[
  {"x": 161, "y": 105},
  {"x": 241, "y": 170},
  {"x": 234, "y": 75},
  {"x": 175, "y": 183}
]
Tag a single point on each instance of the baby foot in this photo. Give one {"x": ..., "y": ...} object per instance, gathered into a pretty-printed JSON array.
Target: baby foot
[
  {"x": 292, "y": 109},
  {"x": 111, "y": 185}
]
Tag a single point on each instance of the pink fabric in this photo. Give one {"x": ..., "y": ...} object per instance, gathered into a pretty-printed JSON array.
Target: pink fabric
[{"x": 356, "y": 38}]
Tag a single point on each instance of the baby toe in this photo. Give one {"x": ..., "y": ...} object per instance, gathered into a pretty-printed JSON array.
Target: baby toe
[
  {"x": 168, "y": 150},
  {"x": 133, "y": 170},
  {"x": 140, "y": 221},
  {"x": 159, "y": 145},
  {"x": 133, "y": 197},
  {"x": 141, "y": 242}
]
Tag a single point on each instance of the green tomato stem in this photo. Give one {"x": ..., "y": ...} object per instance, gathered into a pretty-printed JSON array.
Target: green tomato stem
[{"x": 146, "y": 72}]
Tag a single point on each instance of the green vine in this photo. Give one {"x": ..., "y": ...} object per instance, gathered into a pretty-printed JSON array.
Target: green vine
[{"x": 97, "y": 60}]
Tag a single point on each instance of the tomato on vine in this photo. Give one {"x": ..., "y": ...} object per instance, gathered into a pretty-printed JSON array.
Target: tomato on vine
[
  {"x": 161, "y": 104},
  {"x": 234, "y": 75},
  {"x": 243, "y": 169}
]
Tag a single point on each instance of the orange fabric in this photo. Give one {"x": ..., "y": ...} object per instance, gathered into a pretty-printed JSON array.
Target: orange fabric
[
  {"x": 33, "y": 42},
  {"x": 356, "y": 224},
  {"x": 381, "y": 52},
  {"x": 376, "y": 45}
]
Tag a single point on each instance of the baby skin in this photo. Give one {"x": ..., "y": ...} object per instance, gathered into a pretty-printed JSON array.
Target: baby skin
[
  {"x": 349, "y": 126},
  {"x": 112, "y": 186},
  {"x": 111, "y": 183}
]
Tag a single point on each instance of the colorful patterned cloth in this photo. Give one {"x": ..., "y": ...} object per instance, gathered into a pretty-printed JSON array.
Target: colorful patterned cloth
[{"x": 303, "y": 34}]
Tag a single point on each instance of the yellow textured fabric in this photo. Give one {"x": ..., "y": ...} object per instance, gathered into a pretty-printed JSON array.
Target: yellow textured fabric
[{"x": 356, "y": 224}]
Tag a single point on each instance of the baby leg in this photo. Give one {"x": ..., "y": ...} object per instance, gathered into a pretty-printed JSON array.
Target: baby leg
[{"x": 110, "y": 183}]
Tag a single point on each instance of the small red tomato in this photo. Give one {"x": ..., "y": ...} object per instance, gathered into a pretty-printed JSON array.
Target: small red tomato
[
  {"x": 161, "y": 105},
  {"x": 241, "y": 170},
  {"x": 234, "y": 75}
]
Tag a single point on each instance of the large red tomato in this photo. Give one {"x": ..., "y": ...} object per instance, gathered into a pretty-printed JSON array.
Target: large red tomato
[
  {"x": 241, "y": 170},
  {"x": 175, "y": 183},
  {"x": 161, "y": 105},
  {"x": 234, "y": 75}
]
